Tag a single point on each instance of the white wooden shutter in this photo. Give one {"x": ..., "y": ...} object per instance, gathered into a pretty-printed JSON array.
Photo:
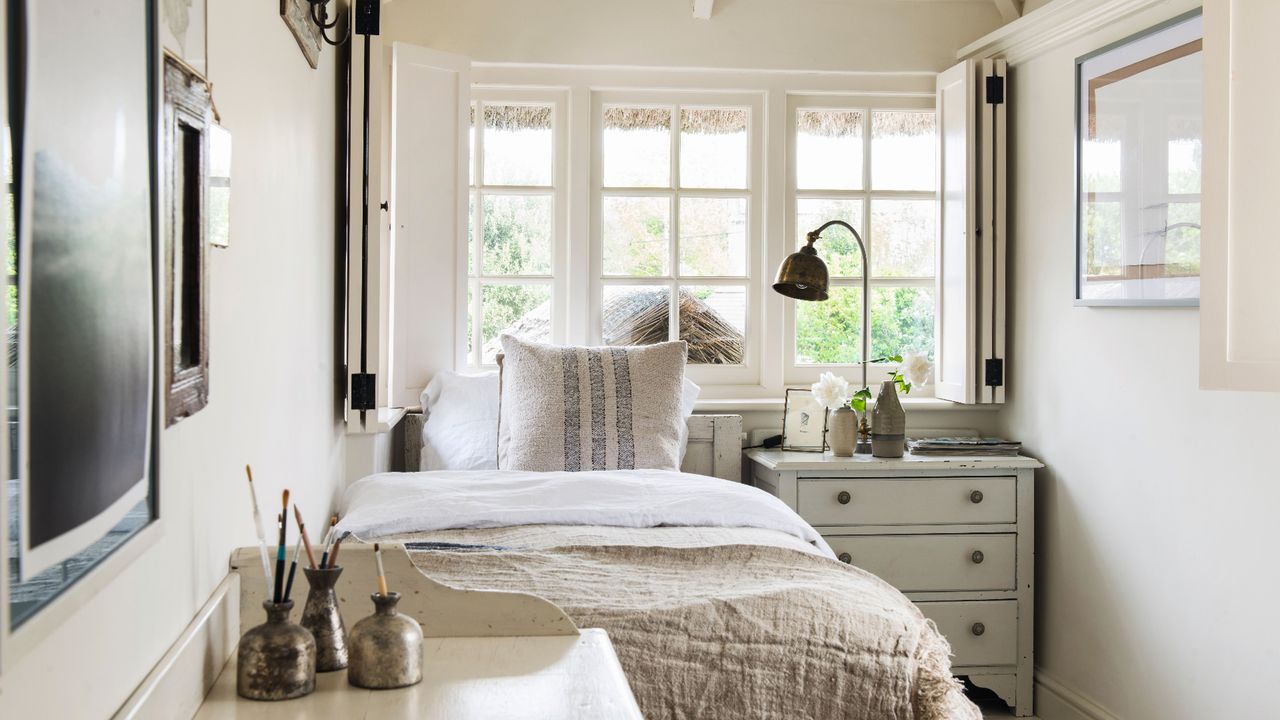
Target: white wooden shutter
[
  {"x": 430, "y": 103},
  {"x": 972, "y": 137},
  {"x": 1239, "y": 256},
  {"x": 957, "y": 262}
]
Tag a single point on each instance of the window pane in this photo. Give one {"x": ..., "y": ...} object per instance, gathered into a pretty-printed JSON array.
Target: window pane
[
  {"x": 901, "y": 321},
  {"x": 1104, "y": 246},
  {"x": 903, "y": 151},
  {"x": 829, "y": 149},
  {"x": 636, "y": 315},
  {"x": 902, "y": 238},
  {"x": 837, "y": 247},
  {"x": 1184, "y": 161},
  {"x": 636, "y": 233},
  {"x": 713, "y": 148},
  {"x": 1182, "y": 240},
  {"x": 830, "y": 333},
  {"x": 637, "y": 147},
  {"x": 517, "y": 145},
  {"x": 471, "y": 322},
  {"x": 471, "y": 139},
  {"x": 1101, "y": 161},
  {"x": 471, "y": 233},
  {"x": 520, "y": 310},
  {"x": 517, "y": 234},
  {"x": 713, "y": 236},
  {"x": 713, "y": 320}
]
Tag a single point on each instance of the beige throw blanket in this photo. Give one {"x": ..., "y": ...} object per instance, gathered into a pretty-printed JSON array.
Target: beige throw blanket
[{"x": 731, "y": 623}]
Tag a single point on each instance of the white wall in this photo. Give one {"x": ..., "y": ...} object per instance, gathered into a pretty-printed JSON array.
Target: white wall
[
  {"x": 1157, "y": 569},
  {"x": 272, "y": 372},
  {"x": 875, "y": 35}
]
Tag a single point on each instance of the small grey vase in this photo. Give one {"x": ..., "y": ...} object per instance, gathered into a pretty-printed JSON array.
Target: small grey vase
[
  {"x": 385, "y": 648},
  {"x": 323, "y": 618},
  {"x": 888, "y": 424},
  {"x": 277, "y": 659},
  {"x": 842, "y": 433}
]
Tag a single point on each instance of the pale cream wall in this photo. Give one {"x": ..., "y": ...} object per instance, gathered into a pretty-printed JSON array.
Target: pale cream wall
[
  {"x": 1157, "y": 567},
  {"x": 849, "y": 35},
  {"x": 272, "y": 372}
]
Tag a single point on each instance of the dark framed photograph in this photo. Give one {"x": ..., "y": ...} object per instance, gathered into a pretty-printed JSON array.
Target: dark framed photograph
[
  {"x": 804, "y": 422},
  {"x": 1138, "y": 165}
]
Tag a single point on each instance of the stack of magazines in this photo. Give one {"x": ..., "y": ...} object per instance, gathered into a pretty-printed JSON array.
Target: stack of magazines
[{"x": 964, "y": 446}]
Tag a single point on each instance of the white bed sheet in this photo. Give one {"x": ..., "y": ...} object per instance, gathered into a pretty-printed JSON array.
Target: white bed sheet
[{"x": 389, "y": 504}]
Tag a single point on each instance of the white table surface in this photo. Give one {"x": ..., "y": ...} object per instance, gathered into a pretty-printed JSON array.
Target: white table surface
[
  {"x": 513, "y": 678},
  {"x": 796, "y": 460}
]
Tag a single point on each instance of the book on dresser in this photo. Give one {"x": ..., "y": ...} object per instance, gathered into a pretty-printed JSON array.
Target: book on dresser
[{"x": 954, "y": 533}]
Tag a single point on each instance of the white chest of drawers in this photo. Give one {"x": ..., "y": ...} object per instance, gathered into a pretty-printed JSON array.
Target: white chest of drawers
[{"x": 955, "y": 534}]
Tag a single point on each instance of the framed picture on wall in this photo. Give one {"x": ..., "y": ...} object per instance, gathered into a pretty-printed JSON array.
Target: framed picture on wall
[
  {"x": 804, "y": 422},
  {"x": 1138, "y": 162}
]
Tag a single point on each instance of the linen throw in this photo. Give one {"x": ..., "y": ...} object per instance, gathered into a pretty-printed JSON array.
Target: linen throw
[{"x": 590, "y": 408}]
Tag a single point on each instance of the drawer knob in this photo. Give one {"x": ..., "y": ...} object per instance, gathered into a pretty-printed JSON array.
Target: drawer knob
[
  {"x": 844, "y": 497},
  {"x": 975, "y": 497},
  {"x": 978, "y": 629},
  {"x": 846, "y": 558},
  {"x": 977, "y": 557}
]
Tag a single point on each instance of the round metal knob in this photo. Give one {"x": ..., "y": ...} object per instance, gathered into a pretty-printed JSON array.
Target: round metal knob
[
  {"x": 978, "y": 628},
  {"x": 975, "y": 497},
  {"x": 846, "y": 558},
  {"x": 977, "y": 557},
  {"x": 844, "y": 497}
]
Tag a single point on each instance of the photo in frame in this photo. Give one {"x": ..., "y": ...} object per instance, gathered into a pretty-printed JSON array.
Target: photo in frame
[
  {"x": 804, "y": 422},
  {"x": 1138, "y": 167}
]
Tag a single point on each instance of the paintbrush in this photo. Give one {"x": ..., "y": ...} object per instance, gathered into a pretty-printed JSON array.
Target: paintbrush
[
  {"x": 262, "y": 535},
  {"x": 382, "y": 576},
  {"x": 284, "y": 513},
  {"x": 306, "y": 542},
  {"x": 328, "y": 542},
  {"x": 293, "y": 569},
  {"x": 337, "y": 543}
]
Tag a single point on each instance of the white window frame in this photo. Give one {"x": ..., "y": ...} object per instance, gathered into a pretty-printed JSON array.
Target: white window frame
[
  {"x": 749, "y": 372},
  {"x": 797, "y": 374},
  {"x": 557, "y": 280}
]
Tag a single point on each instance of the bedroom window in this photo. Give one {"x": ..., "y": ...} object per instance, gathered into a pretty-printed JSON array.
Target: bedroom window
[
  {"x": 675, "y": 223},
  {"x": 514, "y": 229},
  {"x": 872, "y": 165}
]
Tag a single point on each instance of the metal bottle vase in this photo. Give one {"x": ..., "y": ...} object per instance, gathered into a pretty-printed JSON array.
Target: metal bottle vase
[
  {"x": 842, "y": 433},
  {"x": 386, "y": 647},
  {"x": 277, "y": 659},
  {"x": 888, "y": 423},
  {"x": 321, "y": 616}
]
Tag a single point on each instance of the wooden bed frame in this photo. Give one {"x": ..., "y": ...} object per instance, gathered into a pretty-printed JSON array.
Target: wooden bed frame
[{"x": 715, "y": 445}]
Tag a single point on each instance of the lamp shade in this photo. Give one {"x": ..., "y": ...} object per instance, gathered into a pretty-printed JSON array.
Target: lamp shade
[{"x": 803, "y": 275}]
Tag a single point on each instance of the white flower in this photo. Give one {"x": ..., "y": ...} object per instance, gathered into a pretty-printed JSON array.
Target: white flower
[
  {"x": 832, "y": 390},
  {"x": 916, "y": 368}
]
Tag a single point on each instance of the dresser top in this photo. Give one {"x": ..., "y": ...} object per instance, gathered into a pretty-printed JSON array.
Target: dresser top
[{"x": 795, "y": 460}]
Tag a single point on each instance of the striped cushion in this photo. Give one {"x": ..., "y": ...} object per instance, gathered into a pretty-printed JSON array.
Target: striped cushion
[{"x": 580, "y": 408}]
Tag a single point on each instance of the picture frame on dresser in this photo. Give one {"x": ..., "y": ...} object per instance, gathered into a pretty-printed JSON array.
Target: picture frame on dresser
[
  {"x": 801, "y": 431},
  {"x": 955, "y": 534}
]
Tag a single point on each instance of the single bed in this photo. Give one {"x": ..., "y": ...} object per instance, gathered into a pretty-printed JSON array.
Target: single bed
[{"x": 720, "y": 601}]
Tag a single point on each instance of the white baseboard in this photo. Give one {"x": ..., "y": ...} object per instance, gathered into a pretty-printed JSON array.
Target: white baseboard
[
  {"x": 177, "y": 685},
  {"x": 1056, "y": 701}
]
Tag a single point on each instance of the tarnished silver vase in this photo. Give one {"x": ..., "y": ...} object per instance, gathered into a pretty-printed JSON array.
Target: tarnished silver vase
[
  {"x": 321, "y": 616},
  {"x": 386, "y": 647},
  {"x": 277, "y": 659}
]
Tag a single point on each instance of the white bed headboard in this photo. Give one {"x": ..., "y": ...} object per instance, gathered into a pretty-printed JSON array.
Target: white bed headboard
[{"x": 715, "y": 445}]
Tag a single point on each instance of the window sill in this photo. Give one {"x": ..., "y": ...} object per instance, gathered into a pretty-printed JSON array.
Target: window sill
[{"x": 777, "y": 404}]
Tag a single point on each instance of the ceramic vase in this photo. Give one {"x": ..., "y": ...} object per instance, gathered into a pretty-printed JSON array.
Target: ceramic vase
[
  {"x": 321, "y": 616},
  {"x": 842, "y": 432},
  {"x": 888, "y": 424},
  {"x": 277, "y": 659},
  {"x": 385, "y": 648}
]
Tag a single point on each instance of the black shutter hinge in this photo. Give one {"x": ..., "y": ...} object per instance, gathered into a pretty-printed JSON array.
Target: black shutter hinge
[
  {"x": 364, "y": 391},
  {"x": 994, "y": 372},
  {"x": 368, "y": 17},
  {"x": 995, "y": 90}
]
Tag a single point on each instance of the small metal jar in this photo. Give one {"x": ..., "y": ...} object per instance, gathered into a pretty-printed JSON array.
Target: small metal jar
[
  {"x": 321, "y": 616},
  {"x": 277, "y": 659},
  {"x": 386, "y": 647}
]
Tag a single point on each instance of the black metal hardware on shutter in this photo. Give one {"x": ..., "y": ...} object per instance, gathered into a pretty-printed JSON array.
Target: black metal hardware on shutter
[
  {"x": 995, "y": 90},
  {"x": 994, "y": 372}
]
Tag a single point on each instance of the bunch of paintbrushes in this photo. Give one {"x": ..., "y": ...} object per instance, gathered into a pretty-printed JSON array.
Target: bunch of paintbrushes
[{"x": 279, "y": 585}]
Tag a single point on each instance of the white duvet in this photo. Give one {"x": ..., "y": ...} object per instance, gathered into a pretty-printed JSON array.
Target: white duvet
[{"x": 390, "y": 504}]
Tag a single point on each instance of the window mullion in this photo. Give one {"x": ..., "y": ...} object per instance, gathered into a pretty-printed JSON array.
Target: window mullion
[{"x": 673, "y": 322}]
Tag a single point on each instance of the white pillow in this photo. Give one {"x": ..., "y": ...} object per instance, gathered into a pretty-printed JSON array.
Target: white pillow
[{"x": 460, "y": 427}]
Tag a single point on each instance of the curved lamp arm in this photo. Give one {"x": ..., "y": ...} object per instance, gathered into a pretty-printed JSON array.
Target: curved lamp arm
[{"x": 812, "y": 237}]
